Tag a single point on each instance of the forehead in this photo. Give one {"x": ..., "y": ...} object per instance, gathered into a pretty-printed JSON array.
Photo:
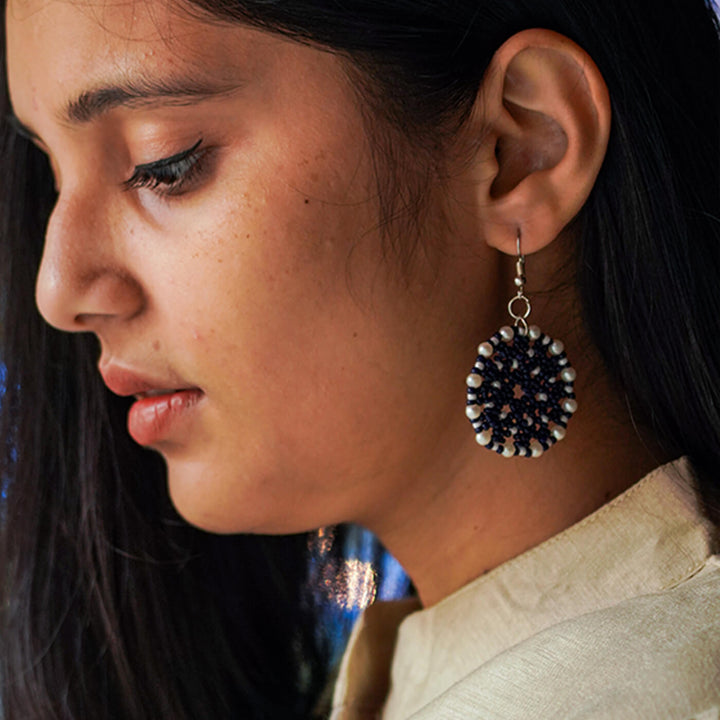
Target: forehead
[{"x": 58, "y": 49}]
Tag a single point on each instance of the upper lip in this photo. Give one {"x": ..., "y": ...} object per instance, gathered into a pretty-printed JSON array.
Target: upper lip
[{"x": 127, "y": 382}]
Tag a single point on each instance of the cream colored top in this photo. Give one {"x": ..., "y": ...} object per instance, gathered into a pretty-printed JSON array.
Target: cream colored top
[{"x": 616, "y": 617}]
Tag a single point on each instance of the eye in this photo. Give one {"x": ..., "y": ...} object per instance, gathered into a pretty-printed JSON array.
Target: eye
[{"x": 170, "y": 176}]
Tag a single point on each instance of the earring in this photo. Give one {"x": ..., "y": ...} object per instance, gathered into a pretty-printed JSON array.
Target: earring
[{"x": 520, "y": 393}]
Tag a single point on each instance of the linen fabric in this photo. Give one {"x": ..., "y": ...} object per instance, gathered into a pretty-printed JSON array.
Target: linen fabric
[{"x": 616, "y": 617}]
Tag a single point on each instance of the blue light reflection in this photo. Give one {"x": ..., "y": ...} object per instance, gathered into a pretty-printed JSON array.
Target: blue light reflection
[{"x": 344, "y": 580}]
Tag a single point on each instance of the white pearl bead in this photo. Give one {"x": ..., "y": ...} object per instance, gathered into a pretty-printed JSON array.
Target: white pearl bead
[
  {"x": 473, "y": 412},
  {"x": 484, "y": 437},
  {"x": 541, "y": 397},
  {"x": 559, "y": 432},
  {"x": 536, "y": 449},
  {"x": 508, "y": 450},
  {"x": 486, "y": 350},
  {"x": 534, "y": 332},
  {"x": 557, "y": 347},
  {"x": 570, "y": 406},
  {"x": 568, "y": 375},
  {"x": 506, "y": 333},
  {"x": 474, "y": 380}
]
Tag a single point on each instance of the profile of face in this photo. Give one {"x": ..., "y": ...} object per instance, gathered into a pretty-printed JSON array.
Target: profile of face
[{"x": 218, "y": 228}]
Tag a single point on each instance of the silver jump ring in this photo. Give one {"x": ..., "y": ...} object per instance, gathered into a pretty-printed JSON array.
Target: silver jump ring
[
  {"x": 520, "y": 320},
  {"x": 513, "y": 314}
]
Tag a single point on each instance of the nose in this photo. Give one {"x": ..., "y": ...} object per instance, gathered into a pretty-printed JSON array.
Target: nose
[{"x": 84, "y": 283}]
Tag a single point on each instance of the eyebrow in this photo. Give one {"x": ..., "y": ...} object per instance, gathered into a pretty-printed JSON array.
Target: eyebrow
[{"x": 140, "y": 92}]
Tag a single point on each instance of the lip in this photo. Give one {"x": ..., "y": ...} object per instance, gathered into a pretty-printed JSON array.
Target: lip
[
  {"x": 126, "y": 382},
  {"x": 162, "y": 405},
  {"x": 159, "y": 418}
]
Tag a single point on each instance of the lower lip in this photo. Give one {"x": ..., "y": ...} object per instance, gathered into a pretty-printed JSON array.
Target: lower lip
[{"x": 153, "y": 419}]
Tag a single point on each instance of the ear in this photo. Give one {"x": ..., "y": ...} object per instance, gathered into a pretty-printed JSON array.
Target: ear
[{"x": 538, "y": 132}]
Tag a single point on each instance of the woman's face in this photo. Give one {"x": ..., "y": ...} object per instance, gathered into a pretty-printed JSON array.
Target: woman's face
[{"x": 217, "y": 228}]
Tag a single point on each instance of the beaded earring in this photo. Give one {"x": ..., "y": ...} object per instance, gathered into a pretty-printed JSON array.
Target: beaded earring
[{"x": 520, "y": 392}]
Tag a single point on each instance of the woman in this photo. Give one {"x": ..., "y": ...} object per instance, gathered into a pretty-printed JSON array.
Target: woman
[{"x": 289, "y": 226}]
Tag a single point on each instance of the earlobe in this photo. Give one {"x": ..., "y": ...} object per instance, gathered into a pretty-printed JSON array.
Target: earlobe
[{"x": 545, "y": 116}]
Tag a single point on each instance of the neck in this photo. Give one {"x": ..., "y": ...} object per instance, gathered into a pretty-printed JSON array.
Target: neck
[{"x": 475, "y": 510}]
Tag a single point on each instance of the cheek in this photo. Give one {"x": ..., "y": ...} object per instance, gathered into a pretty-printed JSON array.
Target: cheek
[
  {"x": 276, "y": 294},
  {"x": 308, "y": 355},
  {"x": 289, "y": 251},
  {"x": 289, "y": 361},
  {"x": 306, "y": 378}
]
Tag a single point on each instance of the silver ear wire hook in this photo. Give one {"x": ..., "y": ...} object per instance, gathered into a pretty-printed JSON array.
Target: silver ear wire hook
[{"x": 520, "y": 318}]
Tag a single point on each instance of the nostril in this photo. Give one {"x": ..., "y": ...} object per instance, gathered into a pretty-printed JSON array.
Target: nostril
[
  {"x": 108, "y": 294},
  {"x": 77, "y": 302}
]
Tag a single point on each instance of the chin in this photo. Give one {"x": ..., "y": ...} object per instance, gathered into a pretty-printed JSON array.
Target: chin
[{"x": 225, "y": 505}]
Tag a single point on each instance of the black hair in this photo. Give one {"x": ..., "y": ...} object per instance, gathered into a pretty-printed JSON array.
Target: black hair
[{"x": 111, "y": 606}]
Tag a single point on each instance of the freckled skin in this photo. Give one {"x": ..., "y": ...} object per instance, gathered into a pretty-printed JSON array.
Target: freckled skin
[{"x": 267, "y": 285}]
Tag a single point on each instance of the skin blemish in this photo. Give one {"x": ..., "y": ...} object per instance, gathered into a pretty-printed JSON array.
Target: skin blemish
[
  {"x": 307, "y": 202},
  {"x": 156, "y": 345}
]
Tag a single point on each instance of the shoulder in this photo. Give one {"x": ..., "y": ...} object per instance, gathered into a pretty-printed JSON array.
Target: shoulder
[{"x": 654, "y": 656}]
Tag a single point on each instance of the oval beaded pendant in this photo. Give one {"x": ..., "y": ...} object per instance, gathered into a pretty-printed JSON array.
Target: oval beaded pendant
[{"x": 520, "y": 392}]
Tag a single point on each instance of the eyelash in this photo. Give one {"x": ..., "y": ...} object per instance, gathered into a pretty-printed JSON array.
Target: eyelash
[{"x": 171, "y": 176}]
